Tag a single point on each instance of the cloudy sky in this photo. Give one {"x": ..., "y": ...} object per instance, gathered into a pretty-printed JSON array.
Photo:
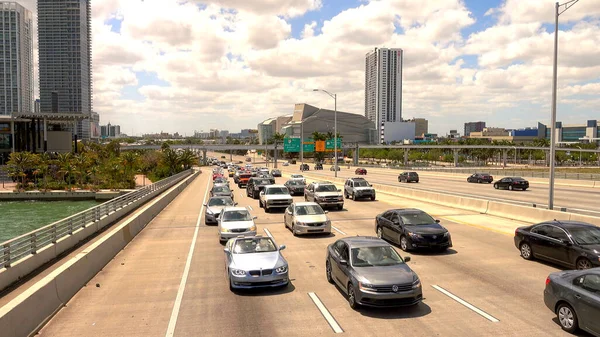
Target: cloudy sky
[{"x": 176, "y": 65}]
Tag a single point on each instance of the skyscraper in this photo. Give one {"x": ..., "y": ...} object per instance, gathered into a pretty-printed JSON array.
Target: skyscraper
[
  {"x": 16, "y": 59},
  {"x": 473, "y": 127},
  {"x": 64, "y": 32},
  {"x": 383, "y": 87}
]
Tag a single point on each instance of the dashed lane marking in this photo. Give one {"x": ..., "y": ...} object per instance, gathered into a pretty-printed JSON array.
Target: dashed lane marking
[
  {"x": 326, "y": 314},
  {"x": 466, "y": 304}
]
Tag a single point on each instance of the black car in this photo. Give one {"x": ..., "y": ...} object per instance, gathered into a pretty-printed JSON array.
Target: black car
[
  {"x": 304, "y": 167},
  {"x": 296, "y": 187},
  {"x": 512, "y": 183},
  {"x": 371, "y": 273},
  {"x": 411, "y": 229},
  {"x": 408, "y": 177},
  {"x": 275, "y": 173},
  {"x": 573, "y": 244},
  {"x": 574, "y": 296},
  {"x": 255, "y": 185},
  {"x": 318, "y": 166},
  {"x": 480, "y": 178}
]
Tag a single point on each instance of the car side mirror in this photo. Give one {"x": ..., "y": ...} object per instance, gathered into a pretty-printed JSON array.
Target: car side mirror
[
  {"x": 204, "y": 205},
  {"x": 254, "y": 217},
  {"x": 282, "y": 247},
  {"x": 566, "y": 242},
  {"x": 262, "y": 192},
  {"x": 226, "y": 250},
  {"x": 343, "y": 262},
  {"x": 407, "y": 259},
  {"x": 235, "y": 204},
  {"x": 437, "y": 221}
]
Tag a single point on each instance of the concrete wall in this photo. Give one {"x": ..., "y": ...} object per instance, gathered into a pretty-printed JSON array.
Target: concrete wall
[
  {"x": 28, "y": 312},
  {"x": 61, "y": 195}
]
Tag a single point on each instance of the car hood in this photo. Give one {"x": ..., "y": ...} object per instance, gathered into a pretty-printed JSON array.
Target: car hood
[
  {"x": 296, "y": 187},
  {"x": 594, "y": 249},
  {"x": 311, "y": 218},
  {"x": 427, "y": 229},
  {"x": 215, "y": 209},
  {"x": 237, "y": 224},
  {"x": 278, "y": 197},
  {"x": 254, "y": 261},
  {"x": 364, "y": 188},
  {"x": 398, "y": 274},
  {"x": 223, "y": 193},
  {"x": 328, "y": 194}
]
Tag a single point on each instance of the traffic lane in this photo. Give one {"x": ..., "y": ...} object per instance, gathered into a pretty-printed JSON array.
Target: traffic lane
[
  {"x": 137, "y": 289},
  {"x": 208, "y": 306},
  {"x": 564, "y": 197}
]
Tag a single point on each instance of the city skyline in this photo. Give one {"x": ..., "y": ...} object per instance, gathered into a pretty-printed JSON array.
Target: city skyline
[{"x": 463, "y": 61}]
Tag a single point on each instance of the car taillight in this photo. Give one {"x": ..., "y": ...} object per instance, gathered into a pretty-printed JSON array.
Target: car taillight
[{"x": 547, "y": 280}]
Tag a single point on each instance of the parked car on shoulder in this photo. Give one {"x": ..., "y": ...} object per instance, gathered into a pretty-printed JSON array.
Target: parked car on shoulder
[
  {"x": 370, "y": 272},
  {"x": 360, "y": 171},
  {"x": 235, "y": 221},
  {"x": 255, "y": 262},
  {"x": 358, "y": 188},
  {"x": 574, "y": 297},
  {"x": 480, "y": 178},
  {"x": 255, "y": 185},
  {"x": 512, "y": 183},
  {"x": 324, "y": 193},
  {"x": 274, "y": 196},
  {"x": 306, "y": 218},
  {"x": 296, "y": 187},
  {"x": 572, "y": 244},
  {"x": 412, "y": 229},
  {"x": 214, "y": 206},
  {"x": 408, "y": 177}
]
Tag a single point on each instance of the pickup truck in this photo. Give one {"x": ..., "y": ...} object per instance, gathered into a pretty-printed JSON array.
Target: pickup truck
[
  {"x": 325, "y": 194},
  {"x": 274, "y": 196}
]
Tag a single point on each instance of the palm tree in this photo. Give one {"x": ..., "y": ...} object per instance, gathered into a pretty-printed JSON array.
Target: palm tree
[
  {"x": 187, "y": 158},
  {"x": 18, "y": 164},
  {"x": 81, "y": 163},
  {"x": 129, "y": 160},
  {"x": 43, "y": 168},
  {"x": 171, "y": 161},
  {"x": 66, "y": 167}
]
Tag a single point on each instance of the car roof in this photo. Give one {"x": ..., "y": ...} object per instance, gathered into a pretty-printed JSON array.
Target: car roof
[
  {"x": 276, "y": 185},
  {"x": 219, "y": 197},
  {"x": 305, "y": 203},
  {"x": 406, "y": 210},
  {"x": 356, "y": 178},
  {"x": 322, "y": 183},
  {"x": 567, "y": 224},
  {"x": 364, "y": 241},
  {"x": 237, "y": 208}
]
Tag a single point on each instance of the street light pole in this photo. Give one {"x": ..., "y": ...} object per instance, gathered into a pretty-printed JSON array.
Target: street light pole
[
  {"x": 302, "y": 144},
  {"x": 558, "y": 12},
  {"x": 334, "y": 96}
]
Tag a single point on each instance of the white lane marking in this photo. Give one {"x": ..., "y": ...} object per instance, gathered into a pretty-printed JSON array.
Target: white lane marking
[
  {"x": 241, "y": 195},
  {"x": 337, "y": 229},
  {"x": 466, "y": 304},
  {"x": 186, "y": 271},
  {"x": 250, "y": 208},
  {"x": 268, "y": 233},
  {"x": 326, "y": 314}
]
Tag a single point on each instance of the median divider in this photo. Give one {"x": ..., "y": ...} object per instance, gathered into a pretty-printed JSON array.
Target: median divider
[
  {"x": 28, "y": 312},
  {"x": 482, "y": 206}
]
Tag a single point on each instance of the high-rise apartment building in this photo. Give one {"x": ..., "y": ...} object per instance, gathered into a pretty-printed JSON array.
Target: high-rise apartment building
[
  {"x": 473, "y": 127},
  {"x": 65, "y": 63},
  {"x": 383, "y": 88},
  {"x": 16, "y": 58}
]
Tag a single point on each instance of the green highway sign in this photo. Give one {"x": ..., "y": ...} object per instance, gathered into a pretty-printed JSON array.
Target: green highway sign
[
  {"x": 291, "y": 145},
  {"x": 308, "y": 147},
  {"x": 329, "y": 144}
]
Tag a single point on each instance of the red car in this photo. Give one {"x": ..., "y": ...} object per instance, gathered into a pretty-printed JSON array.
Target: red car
[
  {"x": 217, "y": 175},
  {"x": 360, "y": 171}
]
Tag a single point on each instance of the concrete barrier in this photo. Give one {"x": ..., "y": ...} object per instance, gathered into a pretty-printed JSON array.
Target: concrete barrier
[
  {"x": 585, "y": 218},
  {"x": 524, "y": 213},
  {"x": 28, "y": 312}
]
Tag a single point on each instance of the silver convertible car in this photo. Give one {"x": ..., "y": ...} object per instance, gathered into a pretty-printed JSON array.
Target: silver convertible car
[{"x": 255, "y": 261}]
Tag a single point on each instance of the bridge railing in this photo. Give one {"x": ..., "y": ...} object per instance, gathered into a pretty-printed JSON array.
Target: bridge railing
[{"x": 30, "y": 243}]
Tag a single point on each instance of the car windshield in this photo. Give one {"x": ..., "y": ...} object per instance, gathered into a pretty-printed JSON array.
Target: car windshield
[
  {"x": 275, "y": 171},
  {"x": 277, "y": 190},
  {"x": 484, "y": 174},
  {"x": 295, "y": 182},
  {"x": 309, "y": 210},
  {"x": 219, "y": 189},
  {"x": 361, "y": 184},
  {"x": 241, "y": 215},
  {"x": 518, "y": 179},
  {"x": 416, "y": 219},
  {"x": 220, "y": 202},
  {"x": 412, "y": 174},
  {"x": 586, "y": 235},
  {"x": 326, "y": 188},
  {"x": 375, "y": 256},
  {"x": 254, "y": 245},
  {"x": 263, "y": 182},
  {"x": 296, "y": 176}
]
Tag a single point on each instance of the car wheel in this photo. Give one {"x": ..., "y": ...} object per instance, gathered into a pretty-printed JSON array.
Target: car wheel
[
  {"x": 379, "y": 233},
  {"x": 567, "y": 318},
  {"x": 294, "y": 230},
  {"x": 240, "y": 185},
  {"x": 259, "y": 204},
  {"x": 230, "y": 285},
  {"x": 404, "y": 243},
  {"x": 340, "y": 207},
  {"x": 373, "y": 198},
  {"x": 328, "y": 271},
  {"x": 346, "y": 195},
  {"x": 267, "y": 210},
  {"x": 353, "y": 196},
  {"x": 352, "y": 297},
  {"x": 479, "y": 181},
  {"x": 510, "y": 188},
  {"x": 495, "y": 186},
  {"x": 583, "y": 263},
  {"x": 526, "y": 251}
]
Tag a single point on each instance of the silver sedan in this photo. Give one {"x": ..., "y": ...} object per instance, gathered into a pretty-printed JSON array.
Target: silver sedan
[
  {"x": 255, "y": 262},
  {"x": 306, "y": 218},
  {"x": 214, "y": 206}
]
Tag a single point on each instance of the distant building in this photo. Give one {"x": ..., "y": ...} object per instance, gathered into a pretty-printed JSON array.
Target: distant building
[
  {"x": 498, "y": 134},
  {"x": 383, "y": 91},
  {"x": 473, "y": 127},
  {"x": 110, "y": 131},
  {"x": 421, "y": 126},
  {"x": 94, "y": 125},
  {"x": 224, "y": 133},
  {"x": 36, "y": 105},
  {"x": 269, "y": 127},
  {"x": 16, "y": 59},
  {"x": 576, "y": 133},
  {"x": 453, "y": 134}
]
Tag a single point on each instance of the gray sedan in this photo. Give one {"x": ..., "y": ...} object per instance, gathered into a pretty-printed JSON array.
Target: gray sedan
[
  {"x": 214, "y": 206},
  {"x": 574, "y": 296},
  {"x": 221, "y": 191},
  {"x": 306, "y": 218},
  {"x": 255, "y": 262},
  {"x": 371, "y": 273}
]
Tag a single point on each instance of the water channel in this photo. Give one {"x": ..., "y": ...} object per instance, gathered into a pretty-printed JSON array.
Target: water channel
[{"x": 20, "y": 217}]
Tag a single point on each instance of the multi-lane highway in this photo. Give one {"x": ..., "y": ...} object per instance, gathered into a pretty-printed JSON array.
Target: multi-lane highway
[{"x": 170, "y": 281}]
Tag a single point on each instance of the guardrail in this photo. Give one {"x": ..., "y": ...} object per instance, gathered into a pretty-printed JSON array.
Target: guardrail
[{"x": 30, "y": 243}]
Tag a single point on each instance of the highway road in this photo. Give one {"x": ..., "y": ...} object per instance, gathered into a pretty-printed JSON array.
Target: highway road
[{"x": 170, "y": 281}]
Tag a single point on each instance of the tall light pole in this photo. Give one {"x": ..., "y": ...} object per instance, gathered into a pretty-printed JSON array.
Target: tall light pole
[
  {"x": 334, "y": 96},
  {"x": 559, "y": 11}
]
